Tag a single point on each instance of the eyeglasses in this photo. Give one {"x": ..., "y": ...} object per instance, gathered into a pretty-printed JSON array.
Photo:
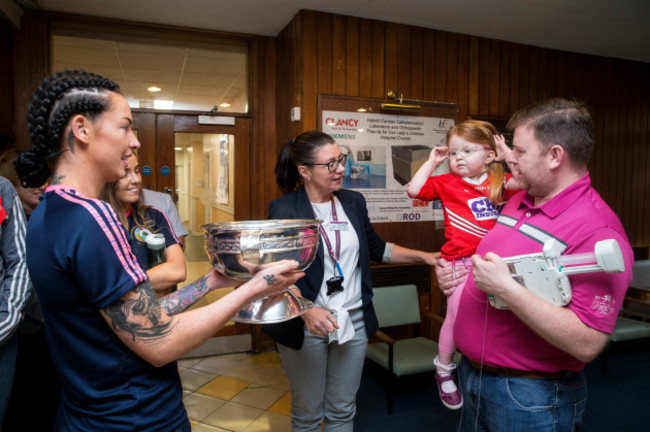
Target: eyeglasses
[
  {"x": 332, "y": 166},
  {"x": 466, "y": 152}
]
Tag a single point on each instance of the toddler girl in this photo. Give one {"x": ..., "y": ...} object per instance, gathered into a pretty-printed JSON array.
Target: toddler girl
[{"x": 470, "y": 196}]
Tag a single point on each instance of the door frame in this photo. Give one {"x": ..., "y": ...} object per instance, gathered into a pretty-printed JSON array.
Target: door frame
[{"x": 156, "y": 133}]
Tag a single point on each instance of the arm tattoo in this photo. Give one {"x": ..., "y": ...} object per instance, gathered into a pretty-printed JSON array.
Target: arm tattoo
[
  {"x": 185, "y": 297},
  {"x": 270, "y": 279},
  {"x": 140, "y": 316}
]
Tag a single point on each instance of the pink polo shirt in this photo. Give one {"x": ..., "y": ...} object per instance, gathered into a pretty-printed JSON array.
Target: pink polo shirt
[{"x": 577, "y": 217}]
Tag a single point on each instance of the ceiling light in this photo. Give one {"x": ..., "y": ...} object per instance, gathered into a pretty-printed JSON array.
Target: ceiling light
[
  {"x": 362, "y": 110},
  {"x": 178, "y": 148},
  {"x": 224, "y": 105},
  {"x": 154, "y": 89}
]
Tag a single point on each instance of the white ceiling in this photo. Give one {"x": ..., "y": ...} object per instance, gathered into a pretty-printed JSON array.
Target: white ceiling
[
  {"x": 611, "y": 28},
  {"x": 194, "y": 79}
]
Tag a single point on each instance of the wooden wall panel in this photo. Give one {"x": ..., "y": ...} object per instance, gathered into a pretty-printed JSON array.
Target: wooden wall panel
[
  {"x": 533, "y": 73},
  {"x": 391, "y": 61},
  {"x": 513, "y": 89},
  {"x": 473, "y": 85},
  {"x": 486, "y": 78},
  {"x": 264, "y": 60},
  {"x": 31, "y": 53},
  {"x": 404, "y": 78},
  {"x": 643, "y": 173},
  {"x": 631, "y": 126},
  {"x": 440, "y": 68},
  {"x": 308, "y": 73},
  {"x": 495, "y": 62},
  {"x": 504, "y": 81},
  {"x": 365, "y": 58},
  {"x": 416, "y": 66},
  {"x": 644, "y": 136},
  {"x": 324, "y": 45},
  {"x": 463, "y": 76},
  {"x": 379, "y": 86},
  {"x": 429, "y": 65},
  {"x": 6, "y": 84},
  {"x": 451, "y": 62},
  {"x": 339, "y": 60},
  {"x": 352, "y": 57},
  {"x": 483, "y": 78}
]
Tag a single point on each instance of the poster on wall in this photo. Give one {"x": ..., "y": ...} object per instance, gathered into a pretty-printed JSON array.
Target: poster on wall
[
  {"x": 224, "y": 162},
  {"x": 384, "y": 152}
]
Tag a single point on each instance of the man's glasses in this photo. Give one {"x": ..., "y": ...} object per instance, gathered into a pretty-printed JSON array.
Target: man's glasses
[
  {"x": 332, "y": 166},
  {"x": 466, "y": 152}
]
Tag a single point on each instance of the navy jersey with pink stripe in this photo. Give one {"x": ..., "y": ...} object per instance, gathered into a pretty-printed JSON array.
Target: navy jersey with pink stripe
[
  {"x": 469, "y": 214},
  {"x": 80, "y": 262}
]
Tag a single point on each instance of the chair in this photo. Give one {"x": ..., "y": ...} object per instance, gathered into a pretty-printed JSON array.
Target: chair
[{"x": 399, "y": 305}]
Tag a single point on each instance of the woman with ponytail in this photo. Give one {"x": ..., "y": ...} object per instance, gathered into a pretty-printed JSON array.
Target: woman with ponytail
[
  {"x": 323, "y": 350},
  {"x": 113, "y": 342},
  {"x": 470, "y": 195}
]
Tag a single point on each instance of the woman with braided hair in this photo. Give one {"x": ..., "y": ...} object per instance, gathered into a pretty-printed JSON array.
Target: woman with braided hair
[{"x": 113, "y": 343}]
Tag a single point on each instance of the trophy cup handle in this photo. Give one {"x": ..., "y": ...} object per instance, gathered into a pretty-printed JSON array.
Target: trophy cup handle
[{"x": 249, "y": 246}]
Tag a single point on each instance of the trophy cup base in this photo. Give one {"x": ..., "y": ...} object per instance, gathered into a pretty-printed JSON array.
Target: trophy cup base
[{"x": 274, "y": 309}]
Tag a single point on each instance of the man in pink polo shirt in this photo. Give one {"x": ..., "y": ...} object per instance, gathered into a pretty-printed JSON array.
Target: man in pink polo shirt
[{"x": 522, "y": 367}]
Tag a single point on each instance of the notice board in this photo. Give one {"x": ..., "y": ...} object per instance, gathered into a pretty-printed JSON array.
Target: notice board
[{"x": 385, "y": 148}]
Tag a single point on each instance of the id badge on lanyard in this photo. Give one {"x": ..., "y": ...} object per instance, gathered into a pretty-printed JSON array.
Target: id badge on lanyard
[{"x": 335, "y": 283}]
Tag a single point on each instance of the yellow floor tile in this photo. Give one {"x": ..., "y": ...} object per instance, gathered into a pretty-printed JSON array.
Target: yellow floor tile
[
  {"x": 269, "y": 359},
  {"x": 223, "y": 387},
  {"x": 259, "y": 397},
  {"x": 282, "y": 406},
  {"x": 270, "y": 422},
  {"x": 233, "y": 417}
]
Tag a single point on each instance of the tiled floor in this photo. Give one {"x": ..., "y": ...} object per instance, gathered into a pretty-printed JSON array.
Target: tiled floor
[
  {"x": 233, "y": 392},
  {"x": 236, "y": 392}
]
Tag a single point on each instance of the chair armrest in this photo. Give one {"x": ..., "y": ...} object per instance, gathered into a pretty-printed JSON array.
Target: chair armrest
[
  {"x": 637, "y": 301},
  {"x": 641, "y": 315},
  {"x": 384, "y": 337},
  {"x": 433, "y": 316}
]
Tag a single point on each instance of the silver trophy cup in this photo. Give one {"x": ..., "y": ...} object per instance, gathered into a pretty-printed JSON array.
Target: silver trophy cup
[{"x": 238, "y": 249}]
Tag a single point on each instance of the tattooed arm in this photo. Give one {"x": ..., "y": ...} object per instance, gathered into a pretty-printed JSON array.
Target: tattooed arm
[
  {"x": 162, "y": 330},
  {"x": 185, "y": 297}
]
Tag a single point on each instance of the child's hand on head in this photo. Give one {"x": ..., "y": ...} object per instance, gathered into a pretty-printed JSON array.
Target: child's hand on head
[
  {"x": 439, "y": 154},
  {"x": 502, "y": 148}
]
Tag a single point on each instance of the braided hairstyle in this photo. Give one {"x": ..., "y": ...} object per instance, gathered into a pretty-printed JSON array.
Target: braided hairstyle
[
  {"x": 58, "y": 98},
  {"x": 299, "y": 151}
]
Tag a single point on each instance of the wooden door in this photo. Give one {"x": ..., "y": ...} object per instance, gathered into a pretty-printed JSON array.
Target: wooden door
[{"x": 156, "y": 133}]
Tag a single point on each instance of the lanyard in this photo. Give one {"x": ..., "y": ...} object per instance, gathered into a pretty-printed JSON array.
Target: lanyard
[{"x": 337, "y": 234}]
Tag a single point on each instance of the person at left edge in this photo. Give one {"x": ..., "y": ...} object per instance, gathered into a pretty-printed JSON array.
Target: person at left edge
[
  {"x": 34, "y": 366},
  {"x": 323, "y": 350},
  {"x": 14, "y": 284}
]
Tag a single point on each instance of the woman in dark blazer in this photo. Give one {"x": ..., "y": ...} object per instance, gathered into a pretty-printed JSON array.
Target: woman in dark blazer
[{"x": 323, "y": 350}]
